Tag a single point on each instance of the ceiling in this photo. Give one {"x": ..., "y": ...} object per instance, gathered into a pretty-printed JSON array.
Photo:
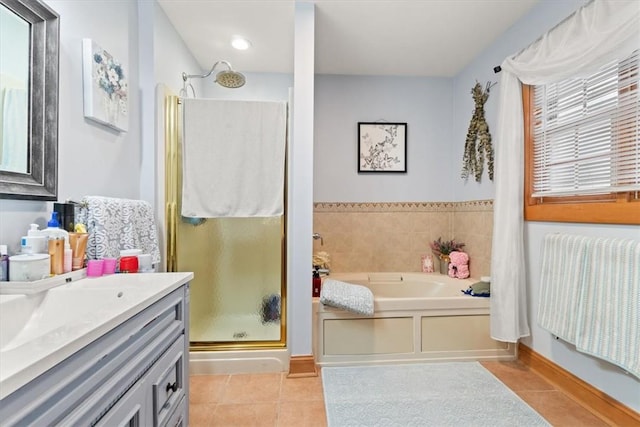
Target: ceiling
[{"x": 366, "y": 37}]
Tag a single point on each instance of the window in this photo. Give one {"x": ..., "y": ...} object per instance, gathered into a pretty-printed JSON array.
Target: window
[{"x": 582, "y": 147}]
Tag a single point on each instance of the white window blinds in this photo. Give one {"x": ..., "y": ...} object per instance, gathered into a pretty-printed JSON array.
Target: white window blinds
[{"x": 587, "y": 132}]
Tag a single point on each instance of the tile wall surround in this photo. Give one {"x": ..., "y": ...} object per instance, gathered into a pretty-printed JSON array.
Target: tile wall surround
[{"x": 394, "y": 236}]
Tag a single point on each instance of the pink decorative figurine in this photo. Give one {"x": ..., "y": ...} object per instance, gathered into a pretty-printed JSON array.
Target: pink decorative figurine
[{"x": 459, "y": 266}]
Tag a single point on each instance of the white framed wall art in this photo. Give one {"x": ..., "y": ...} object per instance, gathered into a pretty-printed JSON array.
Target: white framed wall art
[{"x": 105, "y": 89}]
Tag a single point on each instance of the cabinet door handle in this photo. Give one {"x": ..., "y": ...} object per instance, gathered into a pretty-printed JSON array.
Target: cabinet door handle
[{"x": 173, "y": 387}]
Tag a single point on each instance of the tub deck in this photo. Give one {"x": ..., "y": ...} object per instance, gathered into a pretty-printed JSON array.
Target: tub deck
[{"x": 418, "y": 317}]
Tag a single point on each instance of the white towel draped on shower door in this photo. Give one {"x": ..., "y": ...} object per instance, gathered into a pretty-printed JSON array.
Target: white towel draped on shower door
[{"x": 233, "y": 158}]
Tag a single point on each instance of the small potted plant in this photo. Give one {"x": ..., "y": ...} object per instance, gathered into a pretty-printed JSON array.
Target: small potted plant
[{"x": 442, "y": 249}]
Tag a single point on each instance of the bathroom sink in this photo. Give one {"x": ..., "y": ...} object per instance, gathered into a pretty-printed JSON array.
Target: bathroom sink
[
  {"x": 59, "y": 313},
  {"x": 16, "y": 311},
  {"x": 42, "y": 327}
]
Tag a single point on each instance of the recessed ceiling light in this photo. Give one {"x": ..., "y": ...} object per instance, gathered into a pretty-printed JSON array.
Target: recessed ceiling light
[{"x": 240, "y": 43}]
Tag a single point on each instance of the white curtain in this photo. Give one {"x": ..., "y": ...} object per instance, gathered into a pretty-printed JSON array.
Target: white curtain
[{"x": 597, "y": 33}]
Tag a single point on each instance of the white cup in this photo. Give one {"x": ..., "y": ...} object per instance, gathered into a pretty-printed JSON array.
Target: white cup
[{"x": 144, "y": 263}]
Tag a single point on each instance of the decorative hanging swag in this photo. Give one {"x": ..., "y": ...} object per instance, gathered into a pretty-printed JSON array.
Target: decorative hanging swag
[{"x": 478, "y": 143}]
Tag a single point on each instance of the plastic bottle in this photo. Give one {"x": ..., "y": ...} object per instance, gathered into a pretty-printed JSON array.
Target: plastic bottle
[
  {"x": 4, "y": 264},
  {"x": 26, "y": 246},
  {"x": 34, "y": 242},
  {"x": 56, "y": 254},
  {"x": 58, "y": 241},
  {"x": 317, "y": 283},
  {"x": 53, "y": 221},
  {"x": 53, "y": 229},
  {"x": 68, "y": 257}
]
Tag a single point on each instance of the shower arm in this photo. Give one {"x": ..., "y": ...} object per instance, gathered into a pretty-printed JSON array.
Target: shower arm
[{"x": 186, "y": 76}]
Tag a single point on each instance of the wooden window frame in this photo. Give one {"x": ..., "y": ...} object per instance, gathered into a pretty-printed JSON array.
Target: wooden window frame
[{"x": 618, "y": 208}]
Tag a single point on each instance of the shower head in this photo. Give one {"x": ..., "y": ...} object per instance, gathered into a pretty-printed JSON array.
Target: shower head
[
  {"x": 227, "y": 78},
  {"x": 231, "y": 79}
]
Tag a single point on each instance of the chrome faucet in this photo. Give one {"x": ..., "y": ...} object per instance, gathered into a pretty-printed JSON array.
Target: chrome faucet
[{"x": 317, "y": 236}]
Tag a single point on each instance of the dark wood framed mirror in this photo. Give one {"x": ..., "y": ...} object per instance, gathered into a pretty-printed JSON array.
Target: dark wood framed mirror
[{"x": 29, "y": 57}]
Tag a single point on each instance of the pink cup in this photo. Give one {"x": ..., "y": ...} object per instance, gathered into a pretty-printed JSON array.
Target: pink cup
[
  {"x": 109, "y": 266},
  {"x": 95, "y": 267}
]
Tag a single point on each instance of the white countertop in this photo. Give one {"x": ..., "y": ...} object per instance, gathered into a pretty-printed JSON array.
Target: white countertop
[{"x": 38, "y": 331}]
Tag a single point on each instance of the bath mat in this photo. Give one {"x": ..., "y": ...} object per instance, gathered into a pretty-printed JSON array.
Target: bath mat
[{"x": 428, "y": 394}]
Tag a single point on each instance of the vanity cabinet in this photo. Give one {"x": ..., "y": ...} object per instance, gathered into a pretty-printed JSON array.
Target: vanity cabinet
[{"x": 136, "y": 374}]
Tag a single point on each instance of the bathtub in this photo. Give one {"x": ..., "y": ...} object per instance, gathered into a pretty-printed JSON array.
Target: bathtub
[{"x": 418, "y": 317}]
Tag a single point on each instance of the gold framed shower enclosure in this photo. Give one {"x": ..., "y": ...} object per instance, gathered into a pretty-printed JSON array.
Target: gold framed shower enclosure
[{"x": 206, "y": 247}]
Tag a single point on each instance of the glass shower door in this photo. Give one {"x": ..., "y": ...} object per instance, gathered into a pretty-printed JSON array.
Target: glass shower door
[
  {"x": 238, "y": 293},
  {"x": 236, "y": 290}
]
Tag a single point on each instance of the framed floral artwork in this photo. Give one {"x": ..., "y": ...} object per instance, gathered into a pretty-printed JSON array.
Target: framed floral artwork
[
  {"x": 106, "y": 97},
  {"x": 382, "y": 147}
]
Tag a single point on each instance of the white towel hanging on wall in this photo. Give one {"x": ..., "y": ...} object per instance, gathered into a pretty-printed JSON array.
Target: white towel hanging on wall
[
  {"x": 590, "y": 296},
  {"x": 233, "y": 158},
  {"x": 563, "y": 264},
  {"x": 609, "y": 307}
]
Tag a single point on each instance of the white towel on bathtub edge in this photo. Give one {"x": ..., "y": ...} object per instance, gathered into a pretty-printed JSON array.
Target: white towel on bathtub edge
[{"x": 347, "y": 296}]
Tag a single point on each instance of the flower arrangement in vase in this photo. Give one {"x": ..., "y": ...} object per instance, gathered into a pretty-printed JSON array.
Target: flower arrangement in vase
[{"x": 442, "y": 249}]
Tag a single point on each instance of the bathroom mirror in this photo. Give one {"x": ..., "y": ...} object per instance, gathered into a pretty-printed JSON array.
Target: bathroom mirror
[{"x": 29, "y": 45}]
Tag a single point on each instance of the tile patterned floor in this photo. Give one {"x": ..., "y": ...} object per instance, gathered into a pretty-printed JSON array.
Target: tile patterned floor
[{"x": 273, "y": 400}]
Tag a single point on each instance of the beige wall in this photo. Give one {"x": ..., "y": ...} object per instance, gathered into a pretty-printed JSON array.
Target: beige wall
[
  {"x": 473, "y": 225},
  {"x": 394, "y": 236}
]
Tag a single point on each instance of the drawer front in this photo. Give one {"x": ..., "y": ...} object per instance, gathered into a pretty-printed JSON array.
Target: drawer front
[
  {"x": 167, "y": 381},
  {"x": 129, "y": 411},
  {"x": 167, "y": 385},
  {"x": 178, "y": 418}
]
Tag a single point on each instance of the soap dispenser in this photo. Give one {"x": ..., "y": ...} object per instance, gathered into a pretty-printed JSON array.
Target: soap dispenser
[{"x": 34, "y": 242}]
